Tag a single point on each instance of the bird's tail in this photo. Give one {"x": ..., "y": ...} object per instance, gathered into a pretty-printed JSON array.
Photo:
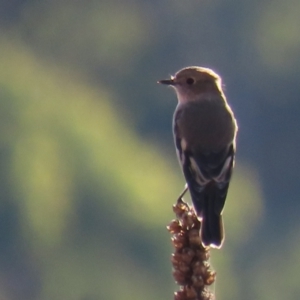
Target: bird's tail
[{"x": 212, "y": 231}]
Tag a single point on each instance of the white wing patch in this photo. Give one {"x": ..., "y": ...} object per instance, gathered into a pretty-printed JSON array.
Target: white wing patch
[
  {"x": 183, "y": 144},
  {"x": 222, "y": 176},
  {"x": 200, "y": 178}
]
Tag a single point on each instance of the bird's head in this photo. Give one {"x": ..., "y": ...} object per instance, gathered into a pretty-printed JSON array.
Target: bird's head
[{"x": 192, "y": 82}]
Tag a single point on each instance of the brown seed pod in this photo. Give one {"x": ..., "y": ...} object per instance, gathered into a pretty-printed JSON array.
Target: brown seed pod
[
  {"x": 174, "y": 227},
  {"x": 191, "y": 268}
]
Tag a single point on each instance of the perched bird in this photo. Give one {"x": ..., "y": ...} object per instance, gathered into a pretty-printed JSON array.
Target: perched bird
[{"x": 204, "y": 130}]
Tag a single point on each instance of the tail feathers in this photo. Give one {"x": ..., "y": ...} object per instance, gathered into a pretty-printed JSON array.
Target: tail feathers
[{"x": 211, "y": 232}]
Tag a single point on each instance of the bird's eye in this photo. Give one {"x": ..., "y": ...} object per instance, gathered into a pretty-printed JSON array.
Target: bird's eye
[{"x": 190, "y": 81}]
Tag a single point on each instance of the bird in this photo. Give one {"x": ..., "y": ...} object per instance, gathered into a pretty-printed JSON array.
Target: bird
[{"x": 205, "y": 130}]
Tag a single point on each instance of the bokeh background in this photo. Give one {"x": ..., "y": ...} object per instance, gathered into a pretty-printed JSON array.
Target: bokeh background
[{"x": 87, "y": 165}]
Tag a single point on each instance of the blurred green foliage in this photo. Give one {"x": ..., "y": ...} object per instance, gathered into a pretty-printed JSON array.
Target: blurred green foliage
[
  {"x": 85, "y": 189},
  {"x": 88, "y": 170},
  {"x": 91, "y": 198}
]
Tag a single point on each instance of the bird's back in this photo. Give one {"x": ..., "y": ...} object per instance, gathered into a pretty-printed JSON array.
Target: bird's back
[{"x": 205, "y": 125}]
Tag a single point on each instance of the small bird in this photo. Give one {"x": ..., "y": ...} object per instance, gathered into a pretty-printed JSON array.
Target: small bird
[{"x": 204, "y": 129}]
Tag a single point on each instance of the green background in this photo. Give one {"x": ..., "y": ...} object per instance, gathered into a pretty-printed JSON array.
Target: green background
[{"x": 88, "y": 171}]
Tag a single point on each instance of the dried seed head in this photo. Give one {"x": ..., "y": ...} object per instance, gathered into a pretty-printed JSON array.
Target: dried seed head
[
  {"x": 202, "y": 255},
  {"x": 206, "y": 295},
  {"x": 211, "y": 277},
  {"x": 187, "y": 255},
  {"x": 194, "y": 237},
  {"x": 180, "y": 207},
  {"x": 199, "y": 269},
  {"x": 187, "y": 220},
  {"x": 191, "y": 269},
  {"x": 180, "y": 295},
  {"x": 183, "y": 267},
  {"x": 180, "y": 277},
  {"x": 190, "y": 292},
  {"x": 197, "y": 281},
  {"x": 175, "y": 259},
  {"x": 174, "y": 227},
  {"x": 179, "y": 240}
]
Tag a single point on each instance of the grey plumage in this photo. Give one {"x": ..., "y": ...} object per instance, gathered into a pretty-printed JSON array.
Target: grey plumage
[{"x": 204, "y": 130}]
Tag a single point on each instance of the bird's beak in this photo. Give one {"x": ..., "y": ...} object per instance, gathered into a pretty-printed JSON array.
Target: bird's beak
[{"x": 167, "y": 81}]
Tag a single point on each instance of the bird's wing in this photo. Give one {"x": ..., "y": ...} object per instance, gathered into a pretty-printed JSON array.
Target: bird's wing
[
  {"x": 214, "y": 168},
  {"x": 203, "y": 169}
]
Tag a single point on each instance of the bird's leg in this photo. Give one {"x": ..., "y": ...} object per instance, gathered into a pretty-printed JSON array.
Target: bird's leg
[{"x": 183, "y": 192}]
